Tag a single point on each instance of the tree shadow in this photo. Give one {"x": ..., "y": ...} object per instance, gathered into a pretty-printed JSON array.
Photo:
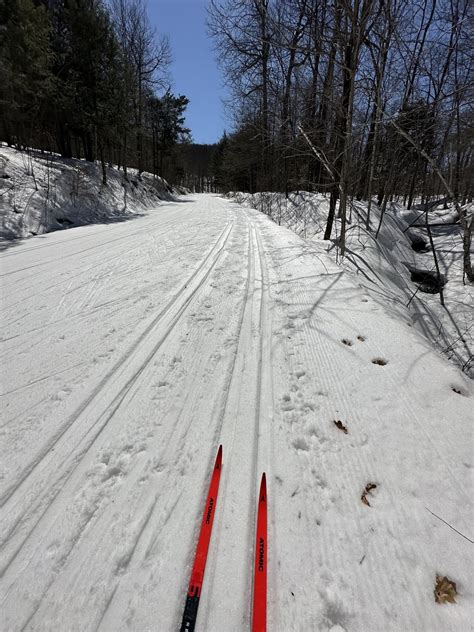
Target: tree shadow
[{"x": 7, "y": 243}]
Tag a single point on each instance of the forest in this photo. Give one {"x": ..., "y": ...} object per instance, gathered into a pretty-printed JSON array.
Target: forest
[
  {"x": 91, "y": 80},
  {"x": 364, "y": 99},
  {"x": 358, "y": 99}
]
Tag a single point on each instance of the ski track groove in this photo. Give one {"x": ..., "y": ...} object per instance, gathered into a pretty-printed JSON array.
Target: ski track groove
[
  {"x": 253, "y": 326},
  {"x": 41, "y": 379},
  {"x": 227, "y": 455},
  {"x": 70, "y": 270},
  {"x": 265, "y": 455},
  {"x": 116, "y": 402},
  {"x": 69, "y": 318},
  {"x": 67, "y": 272},
  {"x": 60, "y": 259},
  {"x": 273, "y": 531},
  {"x": 217, "y": 438},
  {"x": 177, "y": 454},
  {"x": 132, "y": 349},
  {"x": 255, "y": 433},
  {"x": 183, "y": 421},
  {"x": 291, "y": 321},
  {"x": 67, "y": 556}
]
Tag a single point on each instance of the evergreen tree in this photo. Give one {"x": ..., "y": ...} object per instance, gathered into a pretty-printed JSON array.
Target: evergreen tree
[{"x": 25, "y": 69}]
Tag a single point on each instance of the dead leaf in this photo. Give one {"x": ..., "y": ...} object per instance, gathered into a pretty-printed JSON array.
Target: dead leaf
[
  {"x": 368, "y": 488},
  {"x": 340, "y": 425},
  {"x": 445, "y": 590}
]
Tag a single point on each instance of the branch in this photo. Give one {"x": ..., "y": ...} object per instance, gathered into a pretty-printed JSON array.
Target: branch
[{"x": 320, "y": 155}]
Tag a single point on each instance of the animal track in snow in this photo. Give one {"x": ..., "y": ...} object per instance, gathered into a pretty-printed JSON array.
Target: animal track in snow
[
  {"x": 314, "y": 431},
  {"x": 61, "y": 394},
  {"x": 320, "y": 481},
  {"x": 300, "y": 444},
  {"x": 287, "y": 404}
]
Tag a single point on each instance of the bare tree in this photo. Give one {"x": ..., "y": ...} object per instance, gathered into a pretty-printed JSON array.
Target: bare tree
[{"x": 149, "y": 57}]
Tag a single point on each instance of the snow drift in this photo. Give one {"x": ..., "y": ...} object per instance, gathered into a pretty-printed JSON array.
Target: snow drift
[
  {"x": 41, "y": 193},
  {"x": 393, "y": 268}
]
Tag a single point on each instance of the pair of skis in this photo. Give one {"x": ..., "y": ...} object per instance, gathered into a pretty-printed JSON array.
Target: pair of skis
[{"x": 259, "y": 613}]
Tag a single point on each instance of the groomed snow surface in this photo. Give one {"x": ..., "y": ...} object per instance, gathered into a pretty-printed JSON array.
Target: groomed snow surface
[
  {"x": 384, "y": 263},
  {"x": 132, "y": 350}
]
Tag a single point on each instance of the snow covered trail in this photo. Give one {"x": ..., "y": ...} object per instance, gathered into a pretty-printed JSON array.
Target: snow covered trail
[{"x": 131, "y": 351}]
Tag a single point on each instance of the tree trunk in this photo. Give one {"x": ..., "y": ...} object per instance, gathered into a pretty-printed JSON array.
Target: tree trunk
[{"x": 102, "y": 161}]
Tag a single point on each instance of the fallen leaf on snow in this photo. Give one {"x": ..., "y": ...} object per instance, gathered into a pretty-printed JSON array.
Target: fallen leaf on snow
[
  {"x": 445, "y": 590},
  {"x": 368, "y": 488},
  {"x": 340, "y": 425}
]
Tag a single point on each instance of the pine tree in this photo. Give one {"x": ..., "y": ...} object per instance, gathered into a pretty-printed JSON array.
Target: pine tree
[{"x": 25, "y": 76}]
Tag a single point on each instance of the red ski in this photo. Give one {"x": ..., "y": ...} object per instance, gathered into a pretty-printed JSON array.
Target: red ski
[
  {"x": 259, "y": 617},
  {"x": 197, "y": 574}
]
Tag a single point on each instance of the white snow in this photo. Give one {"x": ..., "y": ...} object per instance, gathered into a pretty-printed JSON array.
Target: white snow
[
  {"x": 382, "y": 266},
  {"x": 42, "y": 192},
  {"x": 131, "y": 350}
]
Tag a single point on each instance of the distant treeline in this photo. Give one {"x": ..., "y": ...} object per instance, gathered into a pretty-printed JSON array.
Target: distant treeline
[
  {"x": 347, "y": 96},
  {"x": 88, "y": 79}
]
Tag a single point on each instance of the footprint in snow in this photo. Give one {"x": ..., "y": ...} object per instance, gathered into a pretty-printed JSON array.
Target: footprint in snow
[
  {"x": 286, "y": 403},
  {"x": 300, "y": 444}
]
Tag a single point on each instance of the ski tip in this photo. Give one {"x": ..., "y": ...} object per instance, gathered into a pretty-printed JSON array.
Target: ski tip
[
  {"x": 263, "y": 487},
  {"x": 219, "y": 458}
]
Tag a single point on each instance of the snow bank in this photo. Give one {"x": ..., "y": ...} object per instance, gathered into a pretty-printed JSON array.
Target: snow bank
[
  {"x": 41, "y": 193},
  {"x": 385, "y": 267}
]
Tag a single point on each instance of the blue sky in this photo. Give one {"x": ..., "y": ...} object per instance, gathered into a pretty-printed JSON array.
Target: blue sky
[{"x": 194, "y": 71}]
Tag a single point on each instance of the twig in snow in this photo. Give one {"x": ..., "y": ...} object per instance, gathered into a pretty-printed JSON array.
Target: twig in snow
[{"x": 450, "y": 526}]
